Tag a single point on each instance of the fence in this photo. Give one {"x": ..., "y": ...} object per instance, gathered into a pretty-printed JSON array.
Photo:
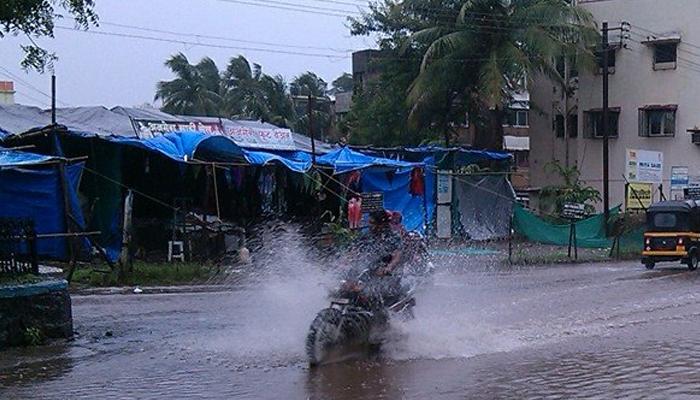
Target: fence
[{"x": 18, "y": 253}]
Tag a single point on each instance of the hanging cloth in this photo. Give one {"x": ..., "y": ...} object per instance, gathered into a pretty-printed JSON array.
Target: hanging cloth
[
  {"x": 417, "y": 185},
  {"x": 354, "y": 212}
]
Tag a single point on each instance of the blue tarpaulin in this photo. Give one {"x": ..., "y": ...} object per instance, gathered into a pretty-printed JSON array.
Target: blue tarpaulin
[
  {"x": 397, "y": 197},
  {"x": 345, "y": 160},
  {"x": 186, "y": 146},
  {"x": 297, "y": 161},
  {"x": 37, "y": 194},
  {"x": 430, "y": 187},
  {"x": 10, "y": 158}
]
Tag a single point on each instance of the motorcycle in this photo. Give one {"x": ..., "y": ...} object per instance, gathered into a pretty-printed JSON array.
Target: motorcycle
[{"x": 358, "y": 315}]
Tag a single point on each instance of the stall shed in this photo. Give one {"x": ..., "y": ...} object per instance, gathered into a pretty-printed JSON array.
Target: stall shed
[{"x": 31, "y": 188}]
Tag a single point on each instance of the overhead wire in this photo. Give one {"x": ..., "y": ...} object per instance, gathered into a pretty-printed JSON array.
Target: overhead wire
[
  {"x": 201, "y": 44},
  {"x": 222, "y": 38}
]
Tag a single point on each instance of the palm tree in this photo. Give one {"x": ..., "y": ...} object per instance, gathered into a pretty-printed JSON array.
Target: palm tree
[
  {"x": 280, "y": 107},
  {"x": 488, "y": 50},
  {"x": 308, "y": 85},
  {"x": 243, "y": 96},
  {"x": 195, "y": 90}
]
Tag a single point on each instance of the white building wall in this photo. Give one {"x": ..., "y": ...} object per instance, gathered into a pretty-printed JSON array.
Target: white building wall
[{"x": 633, "y": 85}]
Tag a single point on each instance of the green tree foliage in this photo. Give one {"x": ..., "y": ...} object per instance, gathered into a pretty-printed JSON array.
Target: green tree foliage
[
  {"x": 571, "y": 189},
  {"x": 303, "y": 86},
  {"x": 342, "y": 84},
  {"x": 196, "y": 89},
  {"x": 35, "y": 18},
  {"x": 475, "y": 54},
  {"x": 240, "y": 91},
  {"x": 380, "y": 114}
]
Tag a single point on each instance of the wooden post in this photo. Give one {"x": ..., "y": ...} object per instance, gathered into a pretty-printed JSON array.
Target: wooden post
[
  {"x": 510, "y": 240},
  {"x": 70, "y": 242},
  {"x": 573, "y": 226},
  {"x": 216, "y": 191},
  {"x": 571, "y": 237}
]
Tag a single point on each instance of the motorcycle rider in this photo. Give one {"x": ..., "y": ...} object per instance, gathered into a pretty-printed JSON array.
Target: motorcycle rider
[{"x": 383, "y": 244}]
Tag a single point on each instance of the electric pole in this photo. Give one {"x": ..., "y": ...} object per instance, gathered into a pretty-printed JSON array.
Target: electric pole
[
  {"x": 310, "y": 111},
  {"x": 606, "y": 127},
  {"x": 53, "y": 99}
]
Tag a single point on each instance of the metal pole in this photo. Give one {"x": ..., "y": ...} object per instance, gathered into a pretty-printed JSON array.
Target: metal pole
[
  {"x": 606, "y": 127},
  {"x": 53, "y": 99},
  {"x": 310, "y": 111}
]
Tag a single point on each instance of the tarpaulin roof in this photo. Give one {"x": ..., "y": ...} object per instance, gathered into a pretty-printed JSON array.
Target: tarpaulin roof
[
  {"x": 188, "y": 146},
  {"x": 16, "y": 119},
  {"x": 13, "y": 158},
  {"x": 346, "y": 159},
  {"x": 297, "y": 161},
  {"x": 462, "y": 156}
]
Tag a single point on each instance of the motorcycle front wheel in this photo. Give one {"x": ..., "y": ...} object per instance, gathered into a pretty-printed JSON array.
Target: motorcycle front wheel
[{"x": 324, "y": 333}]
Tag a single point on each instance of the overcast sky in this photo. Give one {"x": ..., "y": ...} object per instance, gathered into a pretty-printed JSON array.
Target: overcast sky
[{"x": 97, "y": 69}]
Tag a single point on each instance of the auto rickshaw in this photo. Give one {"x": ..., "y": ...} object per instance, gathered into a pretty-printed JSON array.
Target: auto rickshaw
[{"x": 672, "y": 233}]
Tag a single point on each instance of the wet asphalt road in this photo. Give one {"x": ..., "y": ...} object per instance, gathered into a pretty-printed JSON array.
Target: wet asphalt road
[{"x": 481, "y": 332}]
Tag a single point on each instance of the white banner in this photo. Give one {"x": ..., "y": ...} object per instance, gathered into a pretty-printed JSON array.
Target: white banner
[
  {"x": 644, "y": 166},
  {"x": 274, "y": 139}
]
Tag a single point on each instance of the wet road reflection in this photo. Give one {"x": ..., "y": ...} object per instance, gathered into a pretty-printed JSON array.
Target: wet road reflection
[{"x": 480, "y": 332}]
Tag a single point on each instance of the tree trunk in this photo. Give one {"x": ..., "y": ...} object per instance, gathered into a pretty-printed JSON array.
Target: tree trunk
[{"x": 489, "y": 136}]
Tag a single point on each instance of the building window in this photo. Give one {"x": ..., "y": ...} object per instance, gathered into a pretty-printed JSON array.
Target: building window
[
  {"x": 559, "y": 126},
  {"x": 657, "y": 121},
  {"x": 665, "y": 56},
  {"x": 593, "y": 120},
  {"x": 611, "y": 60},
  {"x": 516, "y": 118}
]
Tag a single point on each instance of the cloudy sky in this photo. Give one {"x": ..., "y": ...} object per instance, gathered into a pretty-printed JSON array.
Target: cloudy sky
[{"x": 119, "y": 66}]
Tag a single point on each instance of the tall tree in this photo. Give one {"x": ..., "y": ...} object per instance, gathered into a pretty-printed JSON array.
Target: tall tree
[
  {"x": 514, "y": 39},
  {"x": 342, "y": 84},
  {"x": 308, "y": 84},
  {"x": 475, "y": 54},
  {"x": 35, "y": 18},
  {"x": 196, "y": 89},
  {"x": 243, "y": 96},
  {"x": 280, "y": 108},
  {"x": 303, "y": 86}
]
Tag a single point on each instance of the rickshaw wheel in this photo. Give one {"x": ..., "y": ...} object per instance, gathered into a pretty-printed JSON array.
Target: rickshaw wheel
[
  {"x": 693, "y": 261},
  {"x": 649, "y": 264}
]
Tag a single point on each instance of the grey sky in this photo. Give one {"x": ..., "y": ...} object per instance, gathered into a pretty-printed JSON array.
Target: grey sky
[{"x": 108, "y": 70}]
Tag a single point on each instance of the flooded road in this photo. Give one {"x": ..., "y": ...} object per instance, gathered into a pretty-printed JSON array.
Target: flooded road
[{"x": 480, "y": 332}]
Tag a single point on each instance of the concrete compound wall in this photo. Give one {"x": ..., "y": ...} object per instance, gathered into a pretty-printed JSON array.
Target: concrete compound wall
[{"x": 45, "y": 306}]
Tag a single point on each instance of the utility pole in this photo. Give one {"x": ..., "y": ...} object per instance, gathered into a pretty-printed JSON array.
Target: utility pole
[
  {"x": 53, "y": 99},
  {"x": 310, "y": 111},
  {"x": 566, "y": 110},
  {"x": 606, "y": 127}
]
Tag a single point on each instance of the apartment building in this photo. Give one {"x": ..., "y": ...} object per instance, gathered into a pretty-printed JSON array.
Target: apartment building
[{"x": 654, "y": 98}]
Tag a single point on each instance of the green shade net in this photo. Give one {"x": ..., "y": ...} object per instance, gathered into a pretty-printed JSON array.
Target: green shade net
[{"x": 590, "y": 232}]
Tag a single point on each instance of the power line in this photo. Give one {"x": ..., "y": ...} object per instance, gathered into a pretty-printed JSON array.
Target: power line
[
  {"x": 24, "y": 83},
  {"x": 691, "y": 65},
  {"x": 679, "y": 48},
  {"x": 660, "y": 35},
  {"x": 202, "y": 44},
  {"x": 223, "y": 38},
  {"x": 39, "y": 101},
  {"x": 301, "y": 10}
]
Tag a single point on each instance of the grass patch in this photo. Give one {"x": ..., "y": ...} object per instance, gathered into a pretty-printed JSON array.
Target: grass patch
[
  {"x": 24, "y": 279},
  {"x": 145, "y": 274},
  {"x": 533, "y": 256}
]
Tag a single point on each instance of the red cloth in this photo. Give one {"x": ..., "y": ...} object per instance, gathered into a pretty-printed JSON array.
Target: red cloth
[
  {"x": 417, "y": 185},
  {"x": 354, "y": 212}
]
